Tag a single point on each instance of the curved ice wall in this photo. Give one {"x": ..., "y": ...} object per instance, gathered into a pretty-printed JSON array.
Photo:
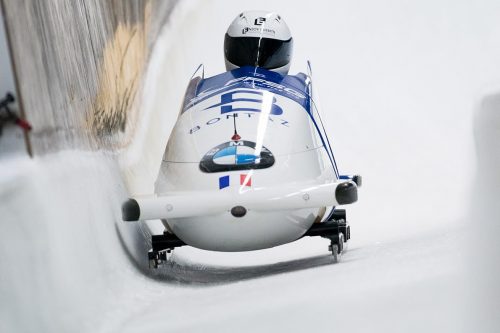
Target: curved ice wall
[
  {"x": 80, "y": 67},
  {"x": 101, "y": 77}
]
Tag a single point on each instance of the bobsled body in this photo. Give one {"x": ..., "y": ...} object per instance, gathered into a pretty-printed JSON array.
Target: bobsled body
[{"x": 248, "y": 165}]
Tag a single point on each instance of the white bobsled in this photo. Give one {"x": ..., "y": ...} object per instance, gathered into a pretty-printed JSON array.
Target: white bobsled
[{"x": 248, "y": 166}]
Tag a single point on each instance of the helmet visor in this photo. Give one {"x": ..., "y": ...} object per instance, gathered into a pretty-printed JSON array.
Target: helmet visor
[{"x": 257, "y": 51}]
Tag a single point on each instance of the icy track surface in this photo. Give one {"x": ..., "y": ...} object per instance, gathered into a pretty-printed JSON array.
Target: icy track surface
[
  {"x": 71, "y": 273},
  {"x": 401, "y": 86}
]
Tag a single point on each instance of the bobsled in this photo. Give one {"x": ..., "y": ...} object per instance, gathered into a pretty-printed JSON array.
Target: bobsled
[{"x": 248, "y": 166}]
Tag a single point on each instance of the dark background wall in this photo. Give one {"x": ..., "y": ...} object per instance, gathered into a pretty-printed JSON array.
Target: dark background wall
[{"x": 79, "y": 66}]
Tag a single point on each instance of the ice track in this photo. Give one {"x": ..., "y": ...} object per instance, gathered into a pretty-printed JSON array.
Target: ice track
[
  {"x": 399, "y": 84},
  {"x": 76, "y": 267}
]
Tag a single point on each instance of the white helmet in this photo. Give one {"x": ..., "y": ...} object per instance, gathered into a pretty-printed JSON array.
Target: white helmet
[{"x": 259, "y": 39}]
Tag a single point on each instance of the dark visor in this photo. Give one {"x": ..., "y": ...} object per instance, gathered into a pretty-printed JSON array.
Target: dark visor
[{"x": 258, "y": 52}]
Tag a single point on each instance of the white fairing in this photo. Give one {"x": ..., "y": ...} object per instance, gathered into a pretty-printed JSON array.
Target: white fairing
[{"x": 277, "y": 150}]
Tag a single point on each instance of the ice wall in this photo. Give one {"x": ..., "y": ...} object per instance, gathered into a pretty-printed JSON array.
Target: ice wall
[
  {"x": 59, "y": 254},
  {"x": 80, "y": 67},
  {"x": 485, "y": 217},
  {"x": 7, "y": 80},
  {"x": 66, "y": 257}
]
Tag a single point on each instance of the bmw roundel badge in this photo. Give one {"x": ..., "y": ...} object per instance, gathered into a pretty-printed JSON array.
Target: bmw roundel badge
[{"x": 234, "y": 156}]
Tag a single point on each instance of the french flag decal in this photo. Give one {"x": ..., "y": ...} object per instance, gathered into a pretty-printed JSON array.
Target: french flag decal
[
  {"x": 223, "y": 182},
  {"x": 246, "y": 180}
]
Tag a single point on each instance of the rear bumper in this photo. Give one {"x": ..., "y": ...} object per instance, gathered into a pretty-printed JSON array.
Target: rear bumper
[
  {"x": 346, "y": 193},
  {"x": 197, "y": 203}
]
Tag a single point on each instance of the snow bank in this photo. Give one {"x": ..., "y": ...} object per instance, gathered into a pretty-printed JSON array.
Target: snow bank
[{"x": 61, "y": 258}]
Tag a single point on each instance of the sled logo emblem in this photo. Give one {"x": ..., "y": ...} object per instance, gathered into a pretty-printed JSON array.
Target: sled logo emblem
[
  {"x": 238, "y": 100},
  {"x": 236, "y": 155}
]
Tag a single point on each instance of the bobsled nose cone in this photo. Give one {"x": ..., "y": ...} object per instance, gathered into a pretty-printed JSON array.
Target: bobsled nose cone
[
  {"x": 131, "y": 210},
  {"x": 346, "y": 193}
]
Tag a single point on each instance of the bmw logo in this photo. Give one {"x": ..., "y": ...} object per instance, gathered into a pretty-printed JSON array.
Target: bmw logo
[{"x": 234, "y": 156}]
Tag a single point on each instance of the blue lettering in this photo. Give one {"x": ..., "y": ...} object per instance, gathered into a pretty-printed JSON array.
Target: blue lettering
[
  {"x": 228, "y": 99},
  {"x": 213, "y": 121},
  {"x": 194, "y": 129}
]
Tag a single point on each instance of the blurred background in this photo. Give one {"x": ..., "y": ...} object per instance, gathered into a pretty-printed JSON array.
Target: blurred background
[{"x": 410, "y": 96}]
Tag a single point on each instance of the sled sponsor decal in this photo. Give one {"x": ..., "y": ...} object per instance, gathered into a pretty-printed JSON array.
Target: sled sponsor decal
[
  {"x": 229, "y": 102},
  {"x": 243, "y": 115},
  {"x": 289, "y": 87},
  {"x": 236, "y": 155}
]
